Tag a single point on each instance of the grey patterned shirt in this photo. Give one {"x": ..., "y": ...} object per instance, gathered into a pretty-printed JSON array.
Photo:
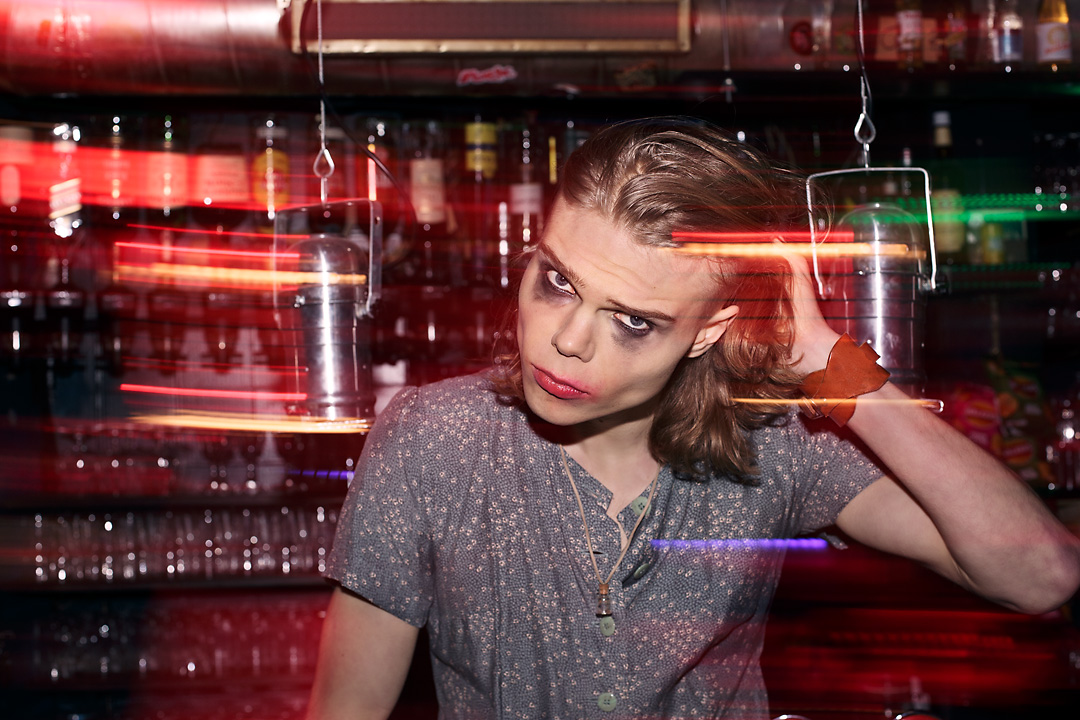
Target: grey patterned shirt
[{"x": 461, "y": 518}]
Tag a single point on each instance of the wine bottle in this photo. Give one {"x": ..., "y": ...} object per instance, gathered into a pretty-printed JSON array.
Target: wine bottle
[
  {"x": 946, "y": 199},
  {"x": 1053, "y": 46},
  {"x": 909, "y": 38}
]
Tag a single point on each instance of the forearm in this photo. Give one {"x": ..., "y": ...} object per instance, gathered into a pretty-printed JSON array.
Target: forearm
[{"x": 1000, "y": 539}]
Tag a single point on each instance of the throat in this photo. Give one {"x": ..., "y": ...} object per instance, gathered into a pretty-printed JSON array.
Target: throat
[{"x": 626, "y": 476}]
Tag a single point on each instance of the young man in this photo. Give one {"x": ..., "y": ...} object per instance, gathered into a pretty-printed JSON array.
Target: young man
[{"x": 590, "y": 529}]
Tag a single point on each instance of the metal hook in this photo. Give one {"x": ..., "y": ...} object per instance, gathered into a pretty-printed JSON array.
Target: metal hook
[
  {"x": 323, "y": 167},
  {"x": 865, "y": 132}
]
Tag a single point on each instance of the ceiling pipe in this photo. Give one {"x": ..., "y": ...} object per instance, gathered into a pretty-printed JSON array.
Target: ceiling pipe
[
  {"x": 148, "y": 47},
  {"x": 60, "y": 48}
]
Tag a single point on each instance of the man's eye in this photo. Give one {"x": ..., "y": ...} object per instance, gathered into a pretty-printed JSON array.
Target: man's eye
[
  {"x": 633, "y": 323},
  {"x": 559, "y": 282}
]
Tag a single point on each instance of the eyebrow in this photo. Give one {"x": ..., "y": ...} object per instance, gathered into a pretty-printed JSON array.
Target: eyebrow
[{"x": 575, "y": 279}]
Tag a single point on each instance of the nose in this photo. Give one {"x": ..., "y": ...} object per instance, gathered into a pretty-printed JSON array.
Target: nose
[{"x": 574, "y": 337}]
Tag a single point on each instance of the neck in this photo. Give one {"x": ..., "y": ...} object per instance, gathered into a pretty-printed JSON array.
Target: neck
[{"x": 618, "y": 456}]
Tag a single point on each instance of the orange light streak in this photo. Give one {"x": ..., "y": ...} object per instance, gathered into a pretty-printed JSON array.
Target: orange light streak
[
  {"x": 835, "y": 235},
  {"x": 234, "y": 277},
  {"x": 255, "y": 423},
  {"x": 928, "y": 403},
  {"x": 210, "y": 393},
  {"x": 840, "y": 250},
  {"x": 153, "y": 247}
]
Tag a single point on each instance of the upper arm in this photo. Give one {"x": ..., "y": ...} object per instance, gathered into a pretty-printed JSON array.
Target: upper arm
[
  {"x": 886, "y": 517},
  {"x": 364, "y": 657}
]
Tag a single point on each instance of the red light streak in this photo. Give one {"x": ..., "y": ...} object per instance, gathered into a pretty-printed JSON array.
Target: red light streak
[
  {"x": 195, "y": 231},
  {"x": 207, "y": 393}
]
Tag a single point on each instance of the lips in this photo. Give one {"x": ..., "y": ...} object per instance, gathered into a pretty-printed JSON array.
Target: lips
[{"x": 557, "y": 386}]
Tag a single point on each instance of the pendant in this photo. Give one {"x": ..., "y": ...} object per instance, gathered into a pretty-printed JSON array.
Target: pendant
[{"x": 603, "y": 602}]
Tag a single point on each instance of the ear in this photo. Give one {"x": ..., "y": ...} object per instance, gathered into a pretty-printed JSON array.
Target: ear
[{"x": 713, "y": 329}]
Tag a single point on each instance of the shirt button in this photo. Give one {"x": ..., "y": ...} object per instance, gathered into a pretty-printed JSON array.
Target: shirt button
[
  {"x": 641, "y": 569},
  {"x": 639, "y": 504},
  {"x": 607, "y": 626},
  {"x": 607, "y": 702}
]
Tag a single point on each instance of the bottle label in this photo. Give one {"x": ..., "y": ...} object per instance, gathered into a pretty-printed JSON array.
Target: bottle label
[
  {"x": 954, "y": 39},
  {"x": 427, "y": 185},
  {"x": 1052, "y": 42},
  {"x": 118, "y": 178},
  {"x": 480, "y": 155},
  {"x": 166, "y": 179},
  {"x": 10, "y": 186},
  {"x": 65, "y": 198},
  {"x": 1009, "y": 45},
  {"x": 909, "y": 30},
  {"x": 526, "y": 199},
  {"x": 948, "y": 223},
  {"x": 220, "y": 179}
]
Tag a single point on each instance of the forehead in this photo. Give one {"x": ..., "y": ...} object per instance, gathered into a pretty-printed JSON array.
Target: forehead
[{"x": 603, "y": 259}]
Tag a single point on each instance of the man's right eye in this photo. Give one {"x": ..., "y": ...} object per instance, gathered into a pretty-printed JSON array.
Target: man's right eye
[{"x": 558, "y": 281}]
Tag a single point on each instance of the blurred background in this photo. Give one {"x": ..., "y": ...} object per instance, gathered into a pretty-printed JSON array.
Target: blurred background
[{"x": 173, "y": 455}]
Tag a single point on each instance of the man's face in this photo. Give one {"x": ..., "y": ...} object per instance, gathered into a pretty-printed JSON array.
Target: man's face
[{"x": 603, "y": 321}]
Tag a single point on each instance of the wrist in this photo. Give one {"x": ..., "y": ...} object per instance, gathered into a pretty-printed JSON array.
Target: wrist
[
  {"x": 850, "y": 371},
  {"x": 814, "y": 355}
]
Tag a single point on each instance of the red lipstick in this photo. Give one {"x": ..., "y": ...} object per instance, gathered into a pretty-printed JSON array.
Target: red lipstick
[{"x": 556, "y": 386}]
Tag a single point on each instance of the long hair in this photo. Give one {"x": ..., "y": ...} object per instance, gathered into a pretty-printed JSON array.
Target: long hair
[{"x": 652, "y": 178}]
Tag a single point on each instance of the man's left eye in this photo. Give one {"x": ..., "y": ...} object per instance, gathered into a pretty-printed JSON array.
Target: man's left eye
[{"x": 633, "y": 322}]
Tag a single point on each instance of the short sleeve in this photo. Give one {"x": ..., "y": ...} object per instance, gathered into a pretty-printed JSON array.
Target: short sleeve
[
  {"x": 381, "y": 547},
  {"x": 835, "y": 468}
]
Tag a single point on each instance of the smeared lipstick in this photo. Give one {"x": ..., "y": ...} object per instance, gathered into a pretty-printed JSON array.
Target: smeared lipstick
[{"x": 555, "y": 386}]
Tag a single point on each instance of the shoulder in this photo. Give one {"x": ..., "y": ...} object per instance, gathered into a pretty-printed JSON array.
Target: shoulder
[
  {"x": 453, "y": 403},
  {"x": 791, "y": 438}
]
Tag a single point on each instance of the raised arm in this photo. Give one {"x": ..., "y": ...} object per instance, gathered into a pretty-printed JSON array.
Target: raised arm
[
  {"x": 946, "y": 502},
  {"x": 364, "y": 658}
]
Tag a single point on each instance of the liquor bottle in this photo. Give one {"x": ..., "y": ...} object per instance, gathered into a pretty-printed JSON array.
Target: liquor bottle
[
  {"x": 167, "y": 179},
  {"x": 65, "y": 302},
  {"x": 476, "y": 202},
  {"x": 116, "y": 218},
  {"x": 425, "y": 153},
  {"x": 909, "y": 38},
  {"x": 1053, "y": 47},
  {"x": 521, "y": 211},
  {"x": 1007, "y": 36},
  {"x": 17, "y": 262},
  {"x": 377, "y": 184},
  {"x": 170, "y": 194},
  {"x": 269, "y": 172},
  {"x": 220, "y": 188},
  {"x": 115, "y": 207},
  {"x": 946, "y": 199},
  {"x": 953, "y": 26}
]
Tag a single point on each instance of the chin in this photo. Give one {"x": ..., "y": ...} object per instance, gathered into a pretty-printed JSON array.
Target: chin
[{"x": 553, "y": 410}]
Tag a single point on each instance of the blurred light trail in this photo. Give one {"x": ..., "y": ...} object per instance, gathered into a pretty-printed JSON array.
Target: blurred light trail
[
  {"x": 773, "y": 249},
  {"x": 757, "y": 543},
  {"x": 257, "y": 423},
  {"x": 928, "y": 403},
  {"x": 234, "y": 277},
  {"x": 210, "y": 393},
  {"x": 180, "y": 249}
]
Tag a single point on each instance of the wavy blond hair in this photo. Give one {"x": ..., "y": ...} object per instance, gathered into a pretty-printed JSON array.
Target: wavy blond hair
[{"x": 652, "y": 178}]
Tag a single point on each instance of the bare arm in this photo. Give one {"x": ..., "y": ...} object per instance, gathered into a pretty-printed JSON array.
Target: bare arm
[
  {"x": 955, "y": 508},
  {"x": 947, "y": 503},
  {"x": 364, "y": 657}
]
